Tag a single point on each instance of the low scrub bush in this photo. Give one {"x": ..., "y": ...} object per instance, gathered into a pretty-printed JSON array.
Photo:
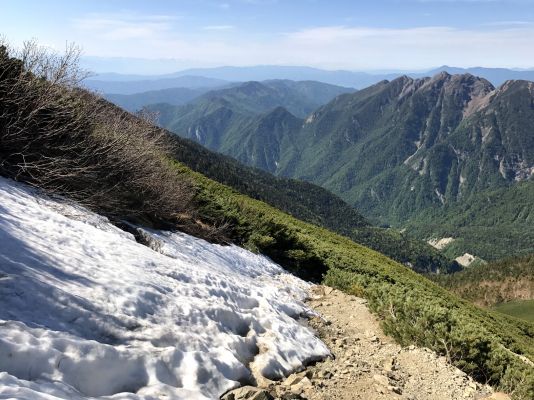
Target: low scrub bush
[{"x": 68, "y": 141}]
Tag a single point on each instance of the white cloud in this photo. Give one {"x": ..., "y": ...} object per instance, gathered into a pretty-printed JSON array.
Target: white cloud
[
  {"x": 347, "y": 47},
  {"x": 125, "y": 26},
  {"x": 218, "y": 27},
  {"x": 415, "y": 47}
]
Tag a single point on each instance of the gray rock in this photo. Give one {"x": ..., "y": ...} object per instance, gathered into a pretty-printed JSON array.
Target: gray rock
[{"x": 247, "y": 393}]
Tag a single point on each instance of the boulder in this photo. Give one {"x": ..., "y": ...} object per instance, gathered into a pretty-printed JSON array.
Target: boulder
[{"x": 247, "y": 393}]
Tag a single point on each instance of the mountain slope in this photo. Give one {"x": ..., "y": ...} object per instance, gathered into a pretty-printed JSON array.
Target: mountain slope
[
  {"x": 410, "y": 308},
  {"x": 298, "y": 97},
  {"x": 402, "y": 145},
  {"x": 158, "y": 319},
  {"x": 395, "y": 148},
  {"x": 492, "y": 348},
  {"x": 254, "y": 139},
  {"x": 494, "y": 283},
  {"x": 310, "y": 203},
  {"x": 492, "y": 224},
  {"x": 118, "y": 165}
]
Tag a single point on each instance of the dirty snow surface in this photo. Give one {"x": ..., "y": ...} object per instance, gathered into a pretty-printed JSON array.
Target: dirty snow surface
[{"x": 87, "y": 312}]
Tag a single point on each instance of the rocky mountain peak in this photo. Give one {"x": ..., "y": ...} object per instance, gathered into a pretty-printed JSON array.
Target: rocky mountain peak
[
  {"x": 458, "y": 83},
  {"x": 515, "y": 86},
  {"x": 443, "y": 75}
]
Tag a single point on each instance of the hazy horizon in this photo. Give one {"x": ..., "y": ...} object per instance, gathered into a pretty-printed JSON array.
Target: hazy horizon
[
  {"x": 156, "y": 67},
  {"x": 392, "y": 35}
]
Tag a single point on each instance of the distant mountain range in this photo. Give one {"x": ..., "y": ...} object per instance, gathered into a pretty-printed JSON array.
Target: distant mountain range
[
  {"x": 212, "y": 77},
  {"x": 145, "y": 84},
  {"x": 174, "y": 96},
  {"x": 300, "y": 97},
  {"x": 251, "y": 98},
  {"x": 393, "y": 150}
]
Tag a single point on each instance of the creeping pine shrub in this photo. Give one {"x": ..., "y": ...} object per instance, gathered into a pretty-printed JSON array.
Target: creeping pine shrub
[
  {"x": 356, "y": 290},
  {"x": 68, "y": 141},
  {"x": 448, "y": 331}
]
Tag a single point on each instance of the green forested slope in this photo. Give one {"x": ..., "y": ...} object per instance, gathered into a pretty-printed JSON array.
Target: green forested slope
[
  {"x": 311, "y": 203},
  {"x": 492, "y": 224},
  {"x": 298, "y": 97},
  {"x": 395, "y": 150}
]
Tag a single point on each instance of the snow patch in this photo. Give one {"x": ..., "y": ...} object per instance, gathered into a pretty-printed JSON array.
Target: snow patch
[{"x": 86, "y": 312}]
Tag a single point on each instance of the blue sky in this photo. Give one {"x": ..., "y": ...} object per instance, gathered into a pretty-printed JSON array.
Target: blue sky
[{"x": 163, "y": 36}]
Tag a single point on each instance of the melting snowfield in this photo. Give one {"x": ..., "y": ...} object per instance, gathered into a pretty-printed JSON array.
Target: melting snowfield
[{"x": 86, "y": 311}]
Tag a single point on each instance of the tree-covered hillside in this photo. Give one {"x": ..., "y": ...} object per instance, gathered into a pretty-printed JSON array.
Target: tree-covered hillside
[
  {"x": 490, "y": 284},
  {"x": 392, "y": 150},
  {"x": 311, "y": 203},
  {"x": 492, "y": 224}
]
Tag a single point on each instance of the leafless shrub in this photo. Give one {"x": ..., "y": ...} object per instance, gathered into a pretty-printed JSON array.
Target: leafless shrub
[
  {"x": 68, "y": 141},
  {"x": 57, "y": 69}
]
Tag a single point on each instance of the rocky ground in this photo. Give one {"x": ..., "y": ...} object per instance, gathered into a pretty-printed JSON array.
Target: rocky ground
[{"x": 365, "y": 363}]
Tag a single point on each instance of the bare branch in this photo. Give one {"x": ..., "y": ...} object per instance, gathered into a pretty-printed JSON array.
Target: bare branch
[{"x": 57, "y": 136}]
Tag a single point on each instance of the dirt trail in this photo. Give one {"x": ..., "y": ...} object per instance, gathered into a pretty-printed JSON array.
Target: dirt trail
[{"x": 366, "y": 364}]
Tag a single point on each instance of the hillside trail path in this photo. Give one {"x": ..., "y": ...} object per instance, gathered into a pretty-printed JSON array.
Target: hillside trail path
[{"x": 367, "y": 364}]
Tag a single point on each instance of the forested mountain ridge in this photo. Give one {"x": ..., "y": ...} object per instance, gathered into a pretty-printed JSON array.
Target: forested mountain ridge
[
  {"x": 310, "y": 203},
  {"x": 398, "y": 147},
  {"x": 392, "y": 150},
  {"x": 250, "y": 98}
]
